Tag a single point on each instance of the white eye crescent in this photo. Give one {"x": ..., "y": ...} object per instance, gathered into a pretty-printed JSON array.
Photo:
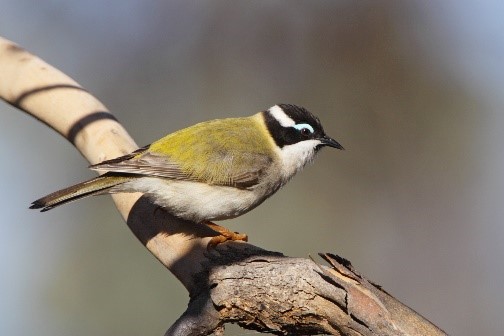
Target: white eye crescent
[{"x": 304, "y": 128}]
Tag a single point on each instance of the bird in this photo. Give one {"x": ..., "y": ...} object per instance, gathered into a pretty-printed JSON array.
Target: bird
[{"x": 211, "y": 171}]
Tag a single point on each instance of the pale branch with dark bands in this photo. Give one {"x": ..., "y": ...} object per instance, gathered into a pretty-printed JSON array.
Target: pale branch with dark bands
[{"x": 233, "y": 283}]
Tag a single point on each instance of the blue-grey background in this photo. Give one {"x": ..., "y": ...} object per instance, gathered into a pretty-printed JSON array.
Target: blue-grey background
[{"x": 412, "y": 89}]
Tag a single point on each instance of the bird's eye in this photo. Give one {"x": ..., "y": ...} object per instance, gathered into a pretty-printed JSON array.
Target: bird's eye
[{"x": 304, "y": 129}]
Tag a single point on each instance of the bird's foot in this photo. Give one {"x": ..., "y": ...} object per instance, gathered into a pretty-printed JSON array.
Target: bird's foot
[{"x": 224, "y": 235}]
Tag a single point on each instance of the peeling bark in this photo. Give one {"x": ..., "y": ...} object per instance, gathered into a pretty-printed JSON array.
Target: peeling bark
[{"x": 268, "y": 292}]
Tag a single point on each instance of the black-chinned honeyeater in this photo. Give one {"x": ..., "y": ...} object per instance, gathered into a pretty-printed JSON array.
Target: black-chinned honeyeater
[{"x": 213, "y": 170}]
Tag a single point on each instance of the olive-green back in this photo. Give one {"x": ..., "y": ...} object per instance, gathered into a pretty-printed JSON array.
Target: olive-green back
[{"x": 224, "y": 152}]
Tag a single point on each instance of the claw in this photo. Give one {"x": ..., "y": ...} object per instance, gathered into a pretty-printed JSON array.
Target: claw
[{"x": 224, "y": 235}]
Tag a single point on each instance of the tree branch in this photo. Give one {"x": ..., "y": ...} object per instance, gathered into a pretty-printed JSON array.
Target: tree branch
[{"x": 233, "y": 283}]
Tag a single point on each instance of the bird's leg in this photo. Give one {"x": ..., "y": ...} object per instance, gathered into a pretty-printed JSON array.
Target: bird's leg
[{"x": 224, "y": 235}]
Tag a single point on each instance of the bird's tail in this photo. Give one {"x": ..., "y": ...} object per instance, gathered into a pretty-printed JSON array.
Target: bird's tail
[{"x": 96, "y": 186}]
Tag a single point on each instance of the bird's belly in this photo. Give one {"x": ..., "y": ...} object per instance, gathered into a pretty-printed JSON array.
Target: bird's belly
[{"x": 196, "y": 201}]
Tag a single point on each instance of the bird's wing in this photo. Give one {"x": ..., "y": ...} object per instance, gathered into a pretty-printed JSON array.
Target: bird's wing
[
  {"x": 145, "y": 164},
  {"x": 237, "y": 169},
  {"x": 227, "y": 152}
]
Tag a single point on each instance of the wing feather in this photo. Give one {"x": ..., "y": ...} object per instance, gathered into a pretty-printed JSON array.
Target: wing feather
[
  {"x": 149, "y": 164},
  {"x": 212, "y": 152}
]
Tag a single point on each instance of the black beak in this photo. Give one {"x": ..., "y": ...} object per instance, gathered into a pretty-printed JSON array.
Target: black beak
[{"x": 327, "y": 141}]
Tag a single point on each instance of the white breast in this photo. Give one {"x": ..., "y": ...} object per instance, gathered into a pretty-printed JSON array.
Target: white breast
[{"x": 195, "y": 201}]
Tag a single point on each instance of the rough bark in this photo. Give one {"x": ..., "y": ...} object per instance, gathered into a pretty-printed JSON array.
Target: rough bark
[
  {"x": 268, "y": 292},
  {"x": 233, "y": 283}
]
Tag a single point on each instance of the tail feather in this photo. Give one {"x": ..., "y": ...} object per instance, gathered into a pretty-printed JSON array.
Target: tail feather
[{"x": 96, "y": 186}]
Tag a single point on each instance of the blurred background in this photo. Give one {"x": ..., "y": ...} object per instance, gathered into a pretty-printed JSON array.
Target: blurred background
[{"x": 411, "y": 89}]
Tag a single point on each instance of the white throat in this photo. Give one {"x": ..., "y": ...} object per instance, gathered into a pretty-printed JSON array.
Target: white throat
[{"x": 294, "y": 157}]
